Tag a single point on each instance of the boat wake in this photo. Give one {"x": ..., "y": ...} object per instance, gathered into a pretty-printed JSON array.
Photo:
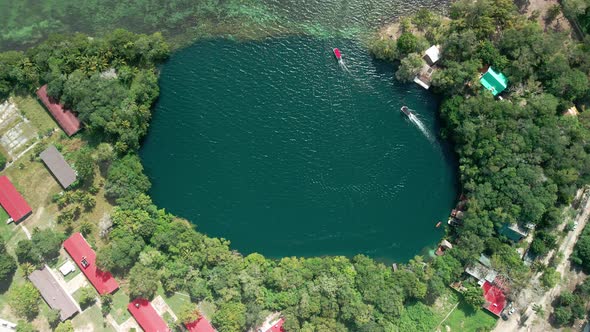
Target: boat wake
[
  {"x": 343, "y": 65},
  {"x": 418, "y": 123}
]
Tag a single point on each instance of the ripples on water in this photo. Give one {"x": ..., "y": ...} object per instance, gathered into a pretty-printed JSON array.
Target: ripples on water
[{"x": 275, "y": 147}]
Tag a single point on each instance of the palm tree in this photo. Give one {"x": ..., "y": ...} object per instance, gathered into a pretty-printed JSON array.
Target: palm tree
[{"x": 27, "y": 268}]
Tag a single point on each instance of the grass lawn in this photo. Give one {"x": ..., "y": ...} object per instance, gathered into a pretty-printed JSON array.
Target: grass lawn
[
  {"x": 78, "y": 293},
  {"x": 91, "y": 320},
  {"x": 176, "y": 301},
  {"x": 37, "y": 186},
  {"x": 119, "y": 307},
  {"x": 464, "y": 318},
  {"x": 7, "y": 231},
  {"x": 35, "y": 113}
]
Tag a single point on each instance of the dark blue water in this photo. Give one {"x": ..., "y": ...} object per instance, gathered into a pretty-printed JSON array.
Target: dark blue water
[{"x": 274, "y": 146}]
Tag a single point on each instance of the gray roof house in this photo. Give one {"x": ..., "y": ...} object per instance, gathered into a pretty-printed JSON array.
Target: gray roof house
[
  {"x": 52, "y": 292},
  {"x": 58, "y": 166}
]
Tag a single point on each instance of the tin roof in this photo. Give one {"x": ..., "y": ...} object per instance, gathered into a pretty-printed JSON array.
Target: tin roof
[
  {"x": 67, "y": 120},
  {"x": 12, "y": 201},
  {"x": 52, "y": 292},
  {"x": 58, "y": 166},
  {"x": 494, "y": 81}
]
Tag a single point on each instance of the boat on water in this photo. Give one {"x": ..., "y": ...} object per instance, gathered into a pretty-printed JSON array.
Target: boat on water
[
  {"x": 406, "y": 110},
  {"x": 438, "y": 224},
  {"x": 337, "y": 54}
]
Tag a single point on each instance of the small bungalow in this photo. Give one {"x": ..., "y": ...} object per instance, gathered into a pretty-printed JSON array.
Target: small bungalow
[
  {"x": 277, "y": 326},
  {"x": 58, "y": 166},
  {"x": 85, "y": 258},
  {"x": 482, "y": 270},
  {"x": 495, "y": 299},
  {"x": 513, "y": 232},
  {"x": 494, "y": 81},
  {"x": 146, "y": 316},
  {"x": 200, "y": 325},
  {"x": 11, "y": 200},
  {"x": 431, "y": 57},
  {"x": 442, "y": 247},
  {"x": 51, "y": 291},
  {"x": 67, "y": 119}
]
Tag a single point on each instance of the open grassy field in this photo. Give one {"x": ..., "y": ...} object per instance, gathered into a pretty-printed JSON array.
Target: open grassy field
[
  {"x": 464, "y": 318},
  {"x": 91, "y": 320},
  {"x": 119, "y": 307},
  {"x": 34, "y": 112},
  {"x": 37, "y": 185}
]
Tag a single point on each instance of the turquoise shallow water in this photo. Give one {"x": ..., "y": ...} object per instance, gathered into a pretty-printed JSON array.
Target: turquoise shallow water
[{"x": 274, "y": 146}]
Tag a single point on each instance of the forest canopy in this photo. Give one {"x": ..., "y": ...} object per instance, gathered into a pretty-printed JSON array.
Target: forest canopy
[{"x": 520, "y": 161}]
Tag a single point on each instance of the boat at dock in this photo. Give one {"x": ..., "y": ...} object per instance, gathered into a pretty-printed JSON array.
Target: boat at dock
[
  {"x": 337, "y": 54},
  {"x": 406, "y": 110}
]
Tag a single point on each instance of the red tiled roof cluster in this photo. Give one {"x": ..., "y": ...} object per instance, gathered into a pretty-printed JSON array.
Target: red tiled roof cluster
[
  {"x": 495, "y": 298},
  {"x": 200, "y": 325},
  {"x": 67, "y": 120},
  {"x": 12, "y": 201},
  {"x": 146, "y": 316},
  {"x": 79, "y": 250}
]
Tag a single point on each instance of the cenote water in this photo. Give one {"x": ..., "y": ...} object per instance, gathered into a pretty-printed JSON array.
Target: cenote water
[{"x": 274, "y": 146}]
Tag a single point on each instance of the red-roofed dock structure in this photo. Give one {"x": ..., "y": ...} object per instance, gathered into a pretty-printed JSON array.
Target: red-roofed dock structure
[
  {"x": 12, "y": 201},
  {"x": 200, "y": 325},
  {"x": 67, "y": 120},
  {"x": 146, "y": 316},
  {"x": 85, "y": 258},
  {"x": 495, "y": 298}
]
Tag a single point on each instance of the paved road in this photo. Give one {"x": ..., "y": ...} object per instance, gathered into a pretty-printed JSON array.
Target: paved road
[{"x": 534, "y": 293}]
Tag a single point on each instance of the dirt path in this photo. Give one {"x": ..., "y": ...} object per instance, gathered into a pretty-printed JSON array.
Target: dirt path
[
  {"x": 560, "y": 23},
  {"x": 447, "y": 316},
  {"x": 534, "y": 294}
]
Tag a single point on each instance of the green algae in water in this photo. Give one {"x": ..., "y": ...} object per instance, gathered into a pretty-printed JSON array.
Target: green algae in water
[
  {"x": 27, "y": 22},
  {"x": 275, "y": 147}
]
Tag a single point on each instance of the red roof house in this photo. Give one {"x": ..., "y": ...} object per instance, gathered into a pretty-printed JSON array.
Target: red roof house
[
  {"x": 278, "y": 326},
  {"x": 146, "y": 316},
  {"x": 495, "y": 298},
  {"x": 85, "y": 258},
  {"x": 67, "y": 120},
  {"x": 12, "y": 201},
  {"x": 200, "y": 325}
]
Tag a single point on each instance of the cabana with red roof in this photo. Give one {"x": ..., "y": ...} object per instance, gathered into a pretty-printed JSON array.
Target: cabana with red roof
[
  {"x": 200, "y": 325},
  {"x": 67, "y": 120},
  {"x": 11, "y": 200},
  {"x": 495, "y": 298},
  {"x": 278, "y": 326},
  {"x": 146, "y": 316},
  {"x": 85, "y": 258}
]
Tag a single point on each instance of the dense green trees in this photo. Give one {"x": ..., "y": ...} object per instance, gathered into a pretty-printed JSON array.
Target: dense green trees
[
  {"x": 473, "y": 295},
  {"x": 24, "y": 300},
  {"x": 2, "y": 156},
  {"x": 7, "y": 263},
  {"x": 43, "y": 246},
  {"x": 111, "y": 82},
  {"x": 581, "y": 254},
  {"x": 143, "y": 282},
  {"x": 519, "y": 160},
  {"x": 409, "y": 67},
  {"x": 569, "y": 307},
  {"x": 125, "y": 178}
]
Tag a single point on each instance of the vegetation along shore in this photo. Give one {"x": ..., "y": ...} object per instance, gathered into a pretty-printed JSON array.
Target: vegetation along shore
[{"x": 521, "y": 136}]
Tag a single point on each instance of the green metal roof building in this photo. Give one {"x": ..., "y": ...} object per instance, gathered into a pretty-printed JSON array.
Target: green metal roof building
[{"x": 494, "y": 81}]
